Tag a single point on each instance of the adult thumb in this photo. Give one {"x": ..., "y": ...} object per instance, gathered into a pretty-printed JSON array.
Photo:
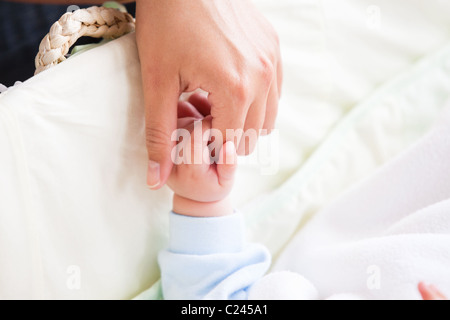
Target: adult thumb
[{"x": 160, "y": 123}]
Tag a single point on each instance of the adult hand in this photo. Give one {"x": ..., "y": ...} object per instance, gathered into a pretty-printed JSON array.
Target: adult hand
[{"x": 226, "y": 48}]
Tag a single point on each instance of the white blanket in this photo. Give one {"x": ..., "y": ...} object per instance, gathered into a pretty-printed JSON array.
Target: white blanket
[{"x": 385, "y": 235}]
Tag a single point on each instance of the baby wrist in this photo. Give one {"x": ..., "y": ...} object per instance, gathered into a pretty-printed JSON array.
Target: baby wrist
[{"x": 189, "y": 207}]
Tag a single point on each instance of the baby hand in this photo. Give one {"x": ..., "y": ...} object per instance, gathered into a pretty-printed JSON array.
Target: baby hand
[
  {"x": 203, "y": 174},
  {"x": 430, "y": 292}
]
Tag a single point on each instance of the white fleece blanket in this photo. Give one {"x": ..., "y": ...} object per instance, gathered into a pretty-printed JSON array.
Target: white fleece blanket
[{"x": 385, "y": 234}]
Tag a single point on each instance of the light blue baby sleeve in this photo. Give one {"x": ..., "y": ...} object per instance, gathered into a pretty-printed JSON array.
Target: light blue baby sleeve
[{"x": 208, "y": 258}]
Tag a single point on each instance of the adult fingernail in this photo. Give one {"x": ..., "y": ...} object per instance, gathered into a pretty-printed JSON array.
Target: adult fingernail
[{"x": 153, "y": 174}]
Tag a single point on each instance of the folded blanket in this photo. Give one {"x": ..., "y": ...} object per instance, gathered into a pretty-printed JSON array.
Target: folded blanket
[{"x": 386, "y": 233}]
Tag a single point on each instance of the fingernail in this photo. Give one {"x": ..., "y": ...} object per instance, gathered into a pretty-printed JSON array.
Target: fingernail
[
  {"x": 230, "y": 151},
  {"x": 153, "y": 174},
  {"x": 230, "y": 148}
]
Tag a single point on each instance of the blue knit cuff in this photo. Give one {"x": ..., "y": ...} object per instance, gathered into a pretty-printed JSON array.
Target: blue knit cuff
[{"x": 211, "y": 235}]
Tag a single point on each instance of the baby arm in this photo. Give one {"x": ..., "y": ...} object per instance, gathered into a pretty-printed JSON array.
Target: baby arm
[{"x": 207, "y": 256}]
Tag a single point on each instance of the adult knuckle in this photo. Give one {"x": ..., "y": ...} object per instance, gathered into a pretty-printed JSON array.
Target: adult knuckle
[
  {"x": 156, "y": 138},
  {"x": 276, "y": 39},
  {"x": 240, "y": 88},
  {"x": 266, "y": 70}
]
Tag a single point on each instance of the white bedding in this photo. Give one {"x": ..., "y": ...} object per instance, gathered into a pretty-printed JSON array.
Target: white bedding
[
  {"x": 76, "y": 218},
  {"x": 387, "y": 233}
]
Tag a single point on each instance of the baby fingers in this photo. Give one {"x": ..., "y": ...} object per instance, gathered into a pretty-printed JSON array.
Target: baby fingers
[{"x": 226, "y": 166}]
